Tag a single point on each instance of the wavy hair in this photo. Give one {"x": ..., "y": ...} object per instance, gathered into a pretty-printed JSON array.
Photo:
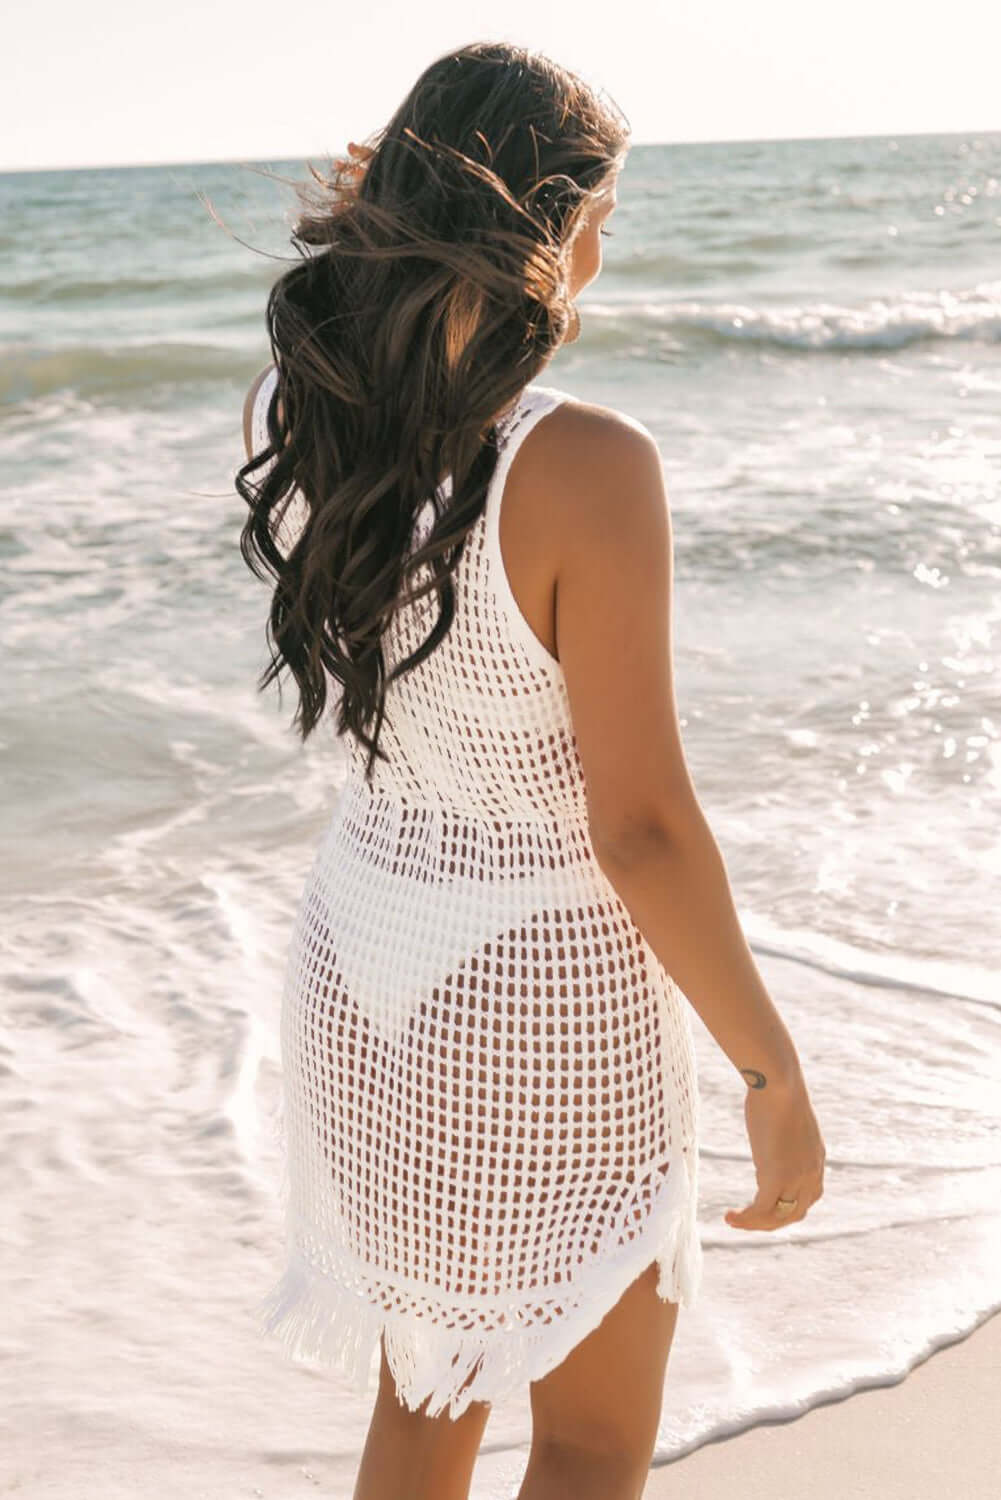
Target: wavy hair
[{"x": 429, "y": 294}]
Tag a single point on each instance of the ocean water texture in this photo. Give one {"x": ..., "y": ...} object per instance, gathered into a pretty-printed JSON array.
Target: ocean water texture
[{"x": 813, "y": 332}]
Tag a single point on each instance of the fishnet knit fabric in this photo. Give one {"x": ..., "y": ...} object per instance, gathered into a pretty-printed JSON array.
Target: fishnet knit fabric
[{"x": 490, "y": 1102}]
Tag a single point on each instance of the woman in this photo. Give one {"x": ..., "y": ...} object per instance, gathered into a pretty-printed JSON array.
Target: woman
[{"x": 490, "y": 1088}]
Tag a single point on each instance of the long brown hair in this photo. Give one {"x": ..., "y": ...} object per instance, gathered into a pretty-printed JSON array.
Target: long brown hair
[{"x": 431, "y": 293}]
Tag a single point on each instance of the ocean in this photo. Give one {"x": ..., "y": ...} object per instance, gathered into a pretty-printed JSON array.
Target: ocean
[{"x": 812, "y": 330}]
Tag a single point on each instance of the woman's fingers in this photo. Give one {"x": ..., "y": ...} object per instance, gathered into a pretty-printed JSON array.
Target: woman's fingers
[{"x": 764, "y": 1211}]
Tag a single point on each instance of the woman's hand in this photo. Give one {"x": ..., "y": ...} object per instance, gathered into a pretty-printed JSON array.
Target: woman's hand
[{"x": 788, "y": 1153}]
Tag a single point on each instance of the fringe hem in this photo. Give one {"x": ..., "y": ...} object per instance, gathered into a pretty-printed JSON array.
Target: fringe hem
[{"x": 315, "y": 1317}]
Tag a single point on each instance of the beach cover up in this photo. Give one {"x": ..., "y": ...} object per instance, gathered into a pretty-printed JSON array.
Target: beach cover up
[{"x": 489, "y": 1112}]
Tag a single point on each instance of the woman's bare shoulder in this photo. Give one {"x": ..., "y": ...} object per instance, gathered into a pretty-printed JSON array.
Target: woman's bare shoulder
[
  {"x": 594, "y": 465},
  {"x": 595, "y": 429},
  {"x": 608, "y": 530}
]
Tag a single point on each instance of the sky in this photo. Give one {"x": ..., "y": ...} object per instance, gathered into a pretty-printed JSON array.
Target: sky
[{"x": 126, "y": 82}]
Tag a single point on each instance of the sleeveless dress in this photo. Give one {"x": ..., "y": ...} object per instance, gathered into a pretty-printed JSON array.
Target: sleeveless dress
[{"x": 489, "y": 1112}]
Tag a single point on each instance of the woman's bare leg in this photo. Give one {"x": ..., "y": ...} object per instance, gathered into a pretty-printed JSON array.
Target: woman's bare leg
[
  {"x": 411, "y": 1456},
  {"x": 595, "y": 1417}
]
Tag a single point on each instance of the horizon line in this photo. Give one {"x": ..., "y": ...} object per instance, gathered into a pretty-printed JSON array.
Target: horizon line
[{"x": 226, "y": 161}]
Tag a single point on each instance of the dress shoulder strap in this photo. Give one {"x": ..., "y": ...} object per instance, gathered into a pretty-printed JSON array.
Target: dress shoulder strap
[
  {"x": 536, "y": 402},
  {"x": 259, "y": 410}
]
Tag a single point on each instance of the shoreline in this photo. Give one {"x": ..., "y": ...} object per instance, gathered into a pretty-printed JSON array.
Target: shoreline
[{"x": 938, "y": 1429}]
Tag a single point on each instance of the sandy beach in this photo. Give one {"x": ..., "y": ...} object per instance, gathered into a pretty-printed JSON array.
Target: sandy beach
[{"x": 937, "y": 1432}]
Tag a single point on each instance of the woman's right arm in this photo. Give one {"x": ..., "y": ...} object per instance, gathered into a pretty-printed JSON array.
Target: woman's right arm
[{"x": 649, "y": 834}]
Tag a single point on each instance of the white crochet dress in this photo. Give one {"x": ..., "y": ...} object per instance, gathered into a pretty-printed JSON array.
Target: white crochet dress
[{"x": 490, "y": 1108}]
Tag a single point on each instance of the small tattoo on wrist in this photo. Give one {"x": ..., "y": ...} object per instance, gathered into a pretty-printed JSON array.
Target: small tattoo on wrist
[{"x": 755, "y": 1080}]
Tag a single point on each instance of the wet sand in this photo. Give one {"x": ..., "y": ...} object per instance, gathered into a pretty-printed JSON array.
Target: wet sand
[{"x": 937, "y": 1432}]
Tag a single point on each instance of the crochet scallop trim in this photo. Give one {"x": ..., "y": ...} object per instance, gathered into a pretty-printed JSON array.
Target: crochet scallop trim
[{"x": 317, "y": 1318}]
